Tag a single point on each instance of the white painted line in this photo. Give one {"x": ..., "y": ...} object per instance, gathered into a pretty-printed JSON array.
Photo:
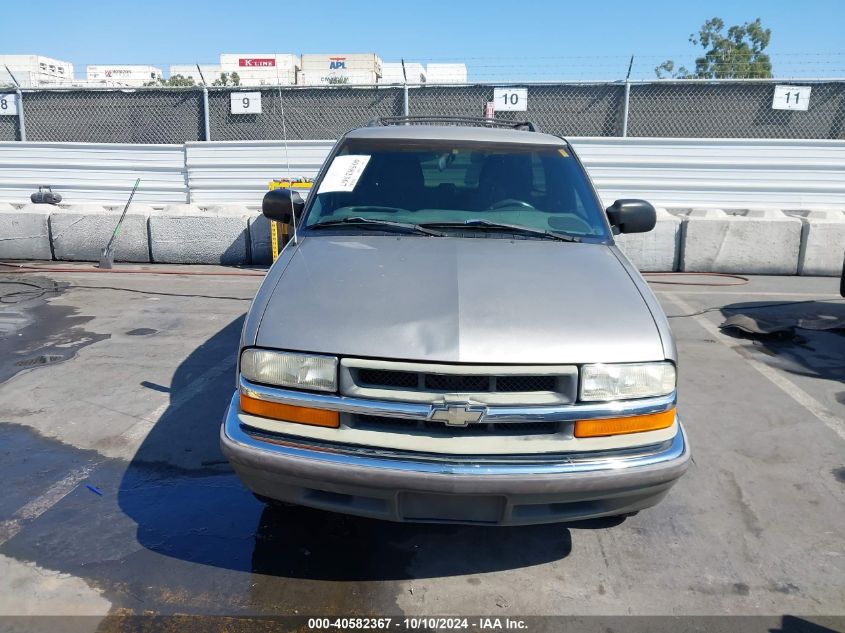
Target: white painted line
[
  {"x": 39, "y": 506},
  {"x": 833, "y": 422},
  {"x": 745, "y": 293},
  {"x": 140, "y": 430}
]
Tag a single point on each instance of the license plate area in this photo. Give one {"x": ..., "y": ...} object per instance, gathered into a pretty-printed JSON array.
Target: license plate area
[{"x": 417, "y": 506}]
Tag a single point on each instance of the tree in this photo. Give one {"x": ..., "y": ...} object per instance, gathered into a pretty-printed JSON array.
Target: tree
[
  {"x": 227, "y": 79},
  {"x": 737, "y": 54},
  {"x": 178, "y": 81}
]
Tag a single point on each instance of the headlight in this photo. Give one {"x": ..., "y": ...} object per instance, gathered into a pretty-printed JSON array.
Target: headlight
[
  {"x": 620, "y": 382},
  {"x": 288, "y": 369}
]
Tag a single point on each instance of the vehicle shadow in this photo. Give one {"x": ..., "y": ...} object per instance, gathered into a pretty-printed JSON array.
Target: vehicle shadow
[
  {"x": 805, "y": 351},
  {"x": 188, "y": 504}
]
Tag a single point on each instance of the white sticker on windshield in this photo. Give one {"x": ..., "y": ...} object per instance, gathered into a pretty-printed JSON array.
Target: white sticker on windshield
[{"x": 343, "y": 173}]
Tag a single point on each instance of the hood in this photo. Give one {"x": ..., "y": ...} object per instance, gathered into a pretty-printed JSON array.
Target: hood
[{"x": 459, "y": 300}]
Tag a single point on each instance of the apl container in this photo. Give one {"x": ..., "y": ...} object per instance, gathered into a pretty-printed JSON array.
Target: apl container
[{"x": 331, "y": 69}]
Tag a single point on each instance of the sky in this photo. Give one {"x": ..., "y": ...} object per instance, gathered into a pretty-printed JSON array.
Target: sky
[{"x": 526, "y": 39}]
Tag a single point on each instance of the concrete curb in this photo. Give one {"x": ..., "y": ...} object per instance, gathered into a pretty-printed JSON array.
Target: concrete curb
[
  {"x": 822, "y": 243},
  {"x": 188, "y": 234},
  {"x": 765, "y": 241},
  {"x": 655, "y": 251},
  {"x": 259, "y": 238},
  {"x": 25, "y": 232},
  {"x": 760, "y": 242},
  {"x": 82, "y": 232}
]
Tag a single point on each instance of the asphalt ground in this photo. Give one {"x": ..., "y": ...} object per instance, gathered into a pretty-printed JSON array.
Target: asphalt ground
[{"x": 117, "y": 500}]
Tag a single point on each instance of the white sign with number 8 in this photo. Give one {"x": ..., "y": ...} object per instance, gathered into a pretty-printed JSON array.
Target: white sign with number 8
[
  {"x": 510, "y": 99},
  {"x": 246, "y": 102},
  {"x": 9, "y": 104}
]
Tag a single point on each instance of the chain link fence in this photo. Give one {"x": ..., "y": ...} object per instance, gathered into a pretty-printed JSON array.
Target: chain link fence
[
  {"x": 733, "y": 110},
  {"x": 309, "y": 113},
  {"x": 688, "y": 108},
  {"x": 563, "y": 109},
  {"x": 114, "y": 116}
]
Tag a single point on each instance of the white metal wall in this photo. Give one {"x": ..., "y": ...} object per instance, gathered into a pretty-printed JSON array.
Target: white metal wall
[
  {"x": 676, "y": 173},
  {"x": 718, "y": 173},
  {"x": 239, "y": 171},
  {"x": 93, "y": 172}
]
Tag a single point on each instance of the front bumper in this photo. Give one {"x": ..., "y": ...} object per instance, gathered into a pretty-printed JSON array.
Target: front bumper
[{"x": 426, "y": 488}]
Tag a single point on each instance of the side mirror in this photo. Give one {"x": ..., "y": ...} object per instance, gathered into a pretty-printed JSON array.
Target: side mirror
[
  {"x": 632, "y": 216},
  {"x": 281, "y": 205}
]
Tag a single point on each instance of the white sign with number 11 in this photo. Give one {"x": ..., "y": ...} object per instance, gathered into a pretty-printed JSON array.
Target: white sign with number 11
[
  {"x": 8, "y": 104},
  {"x": 791, "y": 98}
]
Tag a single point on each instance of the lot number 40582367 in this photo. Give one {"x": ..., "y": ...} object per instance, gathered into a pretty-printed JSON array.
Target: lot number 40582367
[{"x": 8, "y": 104}]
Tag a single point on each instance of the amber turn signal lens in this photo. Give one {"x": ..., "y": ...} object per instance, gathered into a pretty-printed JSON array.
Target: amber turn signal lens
[
  {"x": 290, "y": 413},
  {"x": 619, "y": 426}
]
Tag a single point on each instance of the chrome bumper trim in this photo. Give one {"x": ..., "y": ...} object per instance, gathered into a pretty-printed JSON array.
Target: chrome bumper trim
[
  {"x": 234, "y": 434},
  {"x": 493, "y": 413}
]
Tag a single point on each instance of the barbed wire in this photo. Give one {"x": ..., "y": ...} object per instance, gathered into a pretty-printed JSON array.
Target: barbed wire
[{"x": 789, "y": 65}]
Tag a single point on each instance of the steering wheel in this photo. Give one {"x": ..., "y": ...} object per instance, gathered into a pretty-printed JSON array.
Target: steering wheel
[{"x": 510, "y": 202}]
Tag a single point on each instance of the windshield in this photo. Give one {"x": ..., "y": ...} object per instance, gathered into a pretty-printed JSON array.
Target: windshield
[{"x": 537, "y": 187}]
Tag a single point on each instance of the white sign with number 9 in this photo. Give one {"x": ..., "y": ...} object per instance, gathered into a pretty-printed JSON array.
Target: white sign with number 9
[
  {"x": 246, "y": 102},
  {"x": 510, "y": 99},
  {"x": 9, "y": 104}
]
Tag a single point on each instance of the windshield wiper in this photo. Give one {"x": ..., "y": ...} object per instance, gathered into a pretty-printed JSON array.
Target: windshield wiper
[
  {"x": 387, "y": 225},
  {"x": 488, "y": 225}
]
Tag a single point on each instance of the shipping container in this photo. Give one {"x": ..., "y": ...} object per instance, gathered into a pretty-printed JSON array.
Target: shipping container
[
  {"x": 392, "y": 73},
  {"x": 446, "y": 73},
  {"x": 32, "y": 71},
  {"x": 133, "y": 75},
  {"x": 352, "y": 69},
  {"x": 211, "y": 72},
  {"x": 261, "y": 69}
]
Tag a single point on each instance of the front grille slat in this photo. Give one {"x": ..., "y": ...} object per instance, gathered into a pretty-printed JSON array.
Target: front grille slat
[
  {"x": 388, "y": 378},
  {"x": 457, "y": 382},
  {"x": 526, "y": 383}
]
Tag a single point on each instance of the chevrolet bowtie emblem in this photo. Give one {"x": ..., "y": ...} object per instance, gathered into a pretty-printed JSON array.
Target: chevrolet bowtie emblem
[{"x": 457, "y": 414}]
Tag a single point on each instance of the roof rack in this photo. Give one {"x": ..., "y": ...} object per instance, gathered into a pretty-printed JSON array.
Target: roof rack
[{"x": 453, "y": 120}]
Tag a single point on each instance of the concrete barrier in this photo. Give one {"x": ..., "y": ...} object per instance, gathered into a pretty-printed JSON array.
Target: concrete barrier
[
  {"x": 822, "y": 243},
  {"x": 761, "y": 242},
  {"x": 259, "y": 238},
  {"x": 657, "y": 250},
  {"x": 80, "y": 233},
  {"x": 25, "y": 232},
  {"x": 188, "y": 234}
]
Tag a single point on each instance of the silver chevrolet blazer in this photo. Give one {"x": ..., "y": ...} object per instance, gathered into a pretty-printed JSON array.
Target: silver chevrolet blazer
[{"x": 452, "y": 335}]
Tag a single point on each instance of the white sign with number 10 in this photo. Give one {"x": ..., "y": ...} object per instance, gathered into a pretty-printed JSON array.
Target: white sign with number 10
[
  {"x": 246, "y": 102},
  {"x": 8, "y": 104},
  {"x": 513, "y": 99},
  {"x": 791, "y": 98}
]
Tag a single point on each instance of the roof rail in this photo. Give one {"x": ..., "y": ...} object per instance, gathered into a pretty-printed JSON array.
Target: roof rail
[{"x": 452, "y": 120}]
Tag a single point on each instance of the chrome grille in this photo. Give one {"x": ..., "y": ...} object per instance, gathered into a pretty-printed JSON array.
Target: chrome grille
[
  {"x": 499, "y": 385},
  {"x": 454, "y": 383}
]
